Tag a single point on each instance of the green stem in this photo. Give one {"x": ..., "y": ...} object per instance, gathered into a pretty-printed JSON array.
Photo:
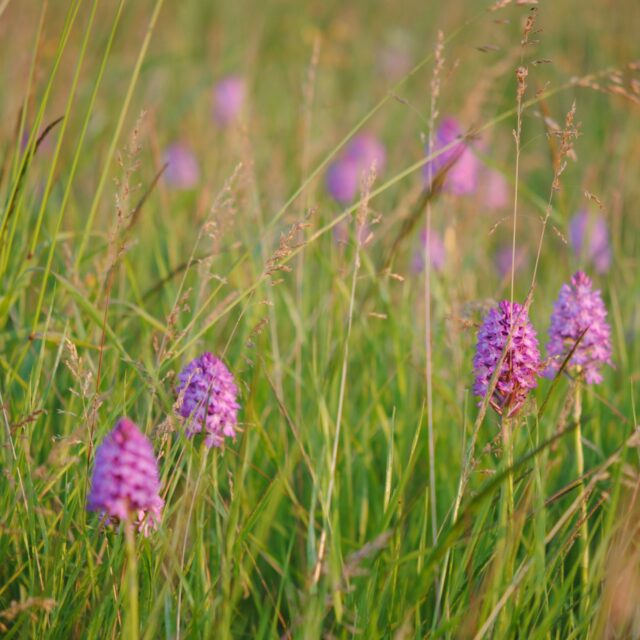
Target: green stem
[
  {"x": 203, "y": 463},
  {"x": 584, "y": 527},
  {"x": 506, "y": 549},
  {"x": 508, "y": 452},
  {"x": 133, "y": 626}
]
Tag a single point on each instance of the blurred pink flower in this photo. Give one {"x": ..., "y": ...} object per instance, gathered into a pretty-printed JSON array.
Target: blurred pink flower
[
  {"x": 182, "y": 171},
  {"x": 589, "y": 239},
  {"x": 367, "y": 151},
  {"x": 228, "y": 99},
  {"x": 363, "y": 152},
  {"x": 342, "y": 179},
  {"x": 503, "y": 259},
  {"x": 459, "y": 160},
  {"x": 496, "y": 193},
  {"x": 126, "y": 481},
  {"x": 435, "y": 250}
]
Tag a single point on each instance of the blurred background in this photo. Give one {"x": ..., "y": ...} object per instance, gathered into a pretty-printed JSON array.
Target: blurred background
[{"x": 142, "y": 239}]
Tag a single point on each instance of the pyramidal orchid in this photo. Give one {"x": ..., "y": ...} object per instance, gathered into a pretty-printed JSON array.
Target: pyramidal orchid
[
  {"x": 521, "y": 363},
  {"x": 579, "y": 310},
  {"x": 126, "y": 482},
  {"x": 207, "y": 399},
  {"x": 579, "y": 331}
]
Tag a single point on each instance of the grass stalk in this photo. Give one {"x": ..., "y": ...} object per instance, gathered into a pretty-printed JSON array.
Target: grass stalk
[
  {"x": 584, "y": 521},
  {"x": 343, "y": 382},
  {"x": 132, "y": 617}
]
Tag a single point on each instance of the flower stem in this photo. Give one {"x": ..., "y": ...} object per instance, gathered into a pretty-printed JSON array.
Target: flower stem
[
  {"x": 584, "y": 526},
  {"x": 506, "y": 548},
  {"x": 132, "y": 628},
  {"x": 508, "y": 452}
]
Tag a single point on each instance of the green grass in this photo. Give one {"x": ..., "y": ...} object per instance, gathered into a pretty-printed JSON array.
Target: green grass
[{"x": 316, "y": 521}]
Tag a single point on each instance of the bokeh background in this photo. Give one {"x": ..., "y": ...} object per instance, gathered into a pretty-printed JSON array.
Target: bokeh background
[{"x": 100, "y": 307}]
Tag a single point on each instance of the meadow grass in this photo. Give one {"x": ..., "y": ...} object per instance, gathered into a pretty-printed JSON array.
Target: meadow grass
[{"x": 365, "y": 495}]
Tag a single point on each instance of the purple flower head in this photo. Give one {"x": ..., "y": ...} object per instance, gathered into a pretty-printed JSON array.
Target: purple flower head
[
  {"x": 367, "y": 151},
  {"x": 495, "y": 190},
  {"x": 579, "y": 308},
  {"x": 343, "y": 179},
  {"x": 463, "y": 165},
  {"x": 126, "y": 482},
  {"x": 207, "y": 399},
  {"x": 228, "y": 99},
  {"x": 521, "y": 363},
  {"x": 363, "y": 152},
  {"x": 504, "y": 257},
  {"x": 589, "y": 239},
  {"x": 182, "y": 171},
  {"x": 436, "y": 252}
]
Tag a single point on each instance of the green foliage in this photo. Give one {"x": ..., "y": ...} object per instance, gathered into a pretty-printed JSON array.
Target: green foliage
[{"x": 315, "y": 522}]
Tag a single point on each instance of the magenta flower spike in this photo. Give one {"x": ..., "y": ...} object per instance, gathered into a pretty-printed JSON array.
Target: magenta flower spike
[
  {"x": 521, "y": 364},
  {"x": 589, "y": 239},
  {"x": 367, "y": 151},
  {"x": 207, "y": 399},
  {"x": 182, "y": 171},
  {"x": 464, "y": 166},
  {"x": 579, "y": 308},
  {"x": 228, "y": 99},
  {"x": 436, "y": 252},
  {"x": 344, "y": 176},
  {"x": 126, "y": 481}
]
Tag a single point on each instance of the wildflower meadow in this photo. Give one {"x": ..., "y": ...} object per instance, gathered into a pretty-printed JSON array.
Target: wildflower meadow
[{"x": 319, "y": 320}]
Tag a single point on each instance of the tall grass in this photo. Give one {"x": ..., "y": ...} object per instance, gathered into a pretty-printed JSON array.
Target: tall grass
[{"x": 363, "y": 494}]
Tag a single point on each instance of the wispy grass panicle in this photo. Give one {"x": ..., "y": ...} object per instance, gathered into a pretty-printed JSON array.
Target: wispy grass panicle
[
  {"x": 129, "y": 163},
  {"x": 561, "y": 153}
]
